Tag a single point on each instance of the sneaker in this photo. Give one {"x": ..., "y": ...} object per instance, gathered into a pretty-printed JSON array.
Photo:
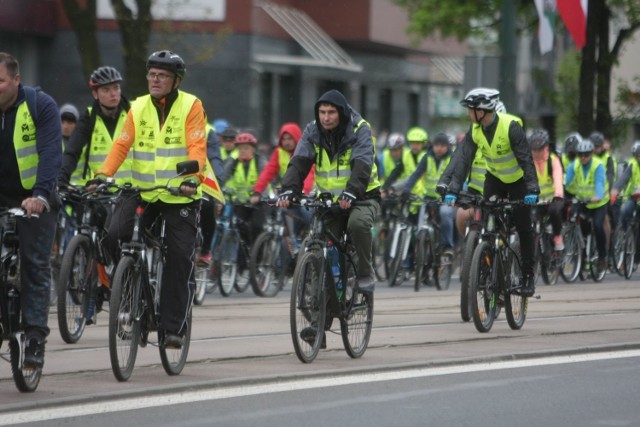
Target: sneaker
[
  {"x": 308, "y": 335},
  {"x": 102, "y": 296},
  {"x": 367, "y": 283},
  {"x": 527, "y": 286},
  {"x": 558, "y": 243},
  {"x": 34, "y": 352},
  {"x": 173, "y": 341},
  {"x": 204, "y": 260}
]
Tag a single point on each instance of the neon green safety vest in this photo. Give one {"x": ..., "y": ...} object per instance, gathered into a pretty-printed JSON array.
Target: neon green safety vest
[
  {"x": 388, "y": 162},
  {"x": 332, "y": 176},
  {"x": 243, "y": 181},
  {"x": 586, "y": 186},
  {"x": 634, "y": 181},
  {"x": 283, "y": 161},
  {"x": 433, "y": 173},
  {"x": 157, "y": 151},
  {"x": 24, "y": 143},
  {"x": 223, "y": 153},
  {"x": 501, "y": 162},
  {"x": 545, "y": 181},
  {"x": 101, "y": 143},
  {"x": 478, "y": 172}
]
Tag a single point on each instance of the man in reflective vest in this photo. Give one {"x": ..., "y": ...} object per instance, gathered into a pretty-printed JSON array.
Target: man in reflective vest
[
  {"x": 30, "y": 156},
  {"x": 340, "y": 145},
  {"x": 510, "y": 170},
  {"x": 162, "y": 129}
]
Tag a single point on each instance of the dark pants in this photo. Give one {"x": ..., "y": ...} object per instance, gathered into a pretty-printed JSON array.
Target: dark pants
[
  {"x": 181, "y": 234},
  {"x": 36, "y": 237},
  {"x": 555, "y": 210},
  {"x": 207, "y": 224},
  {"x": 521, "y": 216},
  {"x": 597, "y": 218}
]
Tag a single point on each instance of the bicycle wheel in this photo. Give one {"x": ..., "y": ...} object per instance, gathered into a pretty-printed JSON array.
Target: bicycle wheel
[
  {"x": 268, "y": 265},
  {"x": 77, "y": 281},
  {"x": 515, "y": 306},
  {"x": 423, "y": 259},
  {"x": 467, "y": 255},
  {"x": 481, "y": 290},
  {"x": 548, "y": 268},
  {"x": 378, "y": 245},
  {"x": 619, "y": 242},
  {"x": 307, "y": 310},
  {"x": 629, "y": 253},
  {"x": 202, "y": 277},
  {"x": 124, "y": 325},
  {"x": 356, "y": 326},
  {"x": 25, "y": 378},
  {"x": 395, "y": 278},
  {"x": 226, "y": 266},
  {"x": 572, "y": 259},
  {"x": 442, "y": 270},
  {"x": 596, "y": 274},
  {"x": 243, "y": 278},
  {"x": 174, "y": 359}
]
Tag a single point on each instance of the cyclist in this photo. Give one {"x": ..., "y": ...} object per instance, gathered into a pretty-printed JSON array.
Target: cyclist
[
  {"x": 549, "y": 170},
  {"x": 240, "y": 176},
  {"x": 162, "y": 129},
  {"x": 391, "y": 154},
  {"x": 588, "y": 177},
  {"x": 510, "y": 170},
  {"x": 417, "y": 138},
  {"x": 570, "y": 143},
  {"x": 628, "y": 184},
  {"x": 431, "y": 167},
  {"x": 601, "y": 152},
  {"x": 339, "y": 142},
  {"x": 30, "y": 158},
  {"x": 228, "y": 140},
  {"x": 69, "y": 116}
]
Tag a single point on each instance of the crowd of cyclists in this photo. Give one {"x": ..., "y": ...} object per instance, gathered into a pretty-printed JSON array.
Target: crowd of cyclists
[{"x": 140, "y": 143}]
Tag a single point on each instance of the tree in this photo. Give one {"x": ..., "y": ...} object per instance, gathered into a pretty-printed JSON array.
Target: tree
[{"x": 475, "y": 18}]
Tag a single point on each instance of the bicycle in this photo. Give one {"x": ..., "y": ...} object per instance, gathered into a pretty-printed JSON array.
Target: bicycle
[
  {"x": 428, "y": 255},
  {"x": 134, "y": 306},
  {"x": 496, "y": 269},
  {"x": 400, "y": 242},
  {"x": 273, "y": 254},
  {"x": 579, "y": 250},
  {"x": 317, "y": 298},
  {"x": 547, "y": 258},
  {"x": 381, "y": 232},
  {"x": 25, "y": 378},
  {"x": 231, "y": 252},
  {"x": 82, "y": 262},
  {"x": 629, "y": 242}
]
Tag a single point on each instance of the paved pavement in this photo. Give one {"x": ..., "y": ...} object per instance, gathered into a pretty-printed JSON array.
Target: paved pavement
[{"x": 244, "y": 338}]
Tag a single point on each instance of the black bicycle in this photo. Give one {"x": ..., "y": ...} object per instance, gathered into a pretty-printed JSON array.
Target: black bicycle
[
  {"x": 25, "y": 377},
  {"x": 496, "y": 269},
  {"x": 134, "y": 309},
  {"x": 317, "y": 297}
]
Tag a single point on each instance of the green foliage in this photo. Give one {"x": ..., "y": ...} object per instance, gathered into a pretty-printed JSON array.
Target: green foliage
[{"x": 567, "y": 94}]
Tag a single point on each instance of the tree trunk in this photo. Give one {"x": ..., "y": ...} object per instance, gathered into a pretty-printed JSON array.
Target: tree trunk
[
  {"x": 603, "y": 122},
  {"x": 83, "y": 21}
]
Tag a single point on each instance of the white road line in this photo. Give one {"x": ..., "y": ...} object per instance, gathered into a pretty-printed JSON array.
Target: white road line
[{"x": 217, "y": 393}]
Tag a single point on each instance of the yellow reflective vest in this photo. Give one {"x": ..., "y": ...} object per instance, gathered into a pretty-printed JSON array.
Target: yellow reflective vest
[{"x": 24, "y": 144}]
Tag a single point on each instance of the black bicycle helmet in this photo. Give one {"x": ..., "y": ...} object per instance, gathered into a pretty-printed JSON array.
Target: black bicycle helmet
[
  {"x": 440, "y": 138},
  {"x": 538, "y": 139},
  {"x": 103, "y": 76},
  {"x": 597, "y": 138},
  {"x": 167, "y": 60}
]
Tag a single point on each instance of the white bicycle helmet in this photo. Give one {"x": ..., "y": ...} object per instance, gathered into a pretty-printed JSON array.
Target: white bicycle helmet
[
  {"x": 395, "y": 140},
  {"x": 584, "y": 146},
  {"x": 500, "y": 108},
  {"x": 481, "y": 98},
  {"x": 635, "y": 148}
]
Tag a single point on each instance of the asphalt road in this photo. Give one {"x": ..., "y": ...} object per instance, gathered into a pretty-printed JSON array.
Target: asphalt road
[{"x": 244, "y": 340}]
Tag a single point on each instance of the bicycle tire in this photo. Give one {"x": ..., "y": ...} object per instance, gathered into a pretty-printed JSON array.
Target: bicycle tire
[
  {"x": 515, "y": 306},
  {"x": 378, "y": 248},
  {"x": 423, "y": 259},
  {"x": 202, "y": 277},
  {"x": 243, "y": 277},
  {"x": 226, "y": 263},
  {"x": 596, "y": 274},
  {"x": 548, "y": 268},
  {"x": 356, "y": 327},
  {"x": 25, "y": 378},
  {"x": 467, "y": 255},
  {"x": 629, "y": 253},
  {"x": 483, "y": 296},
  {"x": 308, "y": 308},
  {"x": 442, "y": 271},
  {"x": 124, "y": 326},
  {"x": 394, "y": 277},
  {"x": 572, "y": 254},
  {"x": 268, "y": 265},
  {"x": 619, "y": 241},
  {"x": 77, "y": 282},
  {"x": 174, "y": 359}
]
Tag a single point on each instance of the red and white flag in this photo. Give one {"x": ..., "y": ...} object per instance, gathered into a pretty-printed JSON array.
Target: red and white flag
[
  {"x": 546, "y": 23},
  {"x": 574, "y": 15}
]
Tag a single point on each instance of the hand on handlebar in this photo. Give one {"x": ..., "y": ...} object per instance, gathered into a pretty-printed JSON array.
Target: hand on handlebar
[
  {"x": 94, "y": 183},
  {"x": 530, "y": 199},
  {"x": 346, "y": 199},
  {"x": 450, "y": 199},
  {"x": 34, "y": 206},
  {"x": 285, "y": 199},
  {"x": 188, "y": 188}
]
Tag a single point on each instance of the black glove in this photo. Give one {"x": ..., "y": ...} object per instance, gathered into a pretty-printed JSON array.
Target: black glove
[
  {"x": 348, "y": 197},
  {"x": 189, "y": 183},
  {"x": 405, "y": 196},
  {"x": 287, "y": 196},
  {"x": 97, "y": 181},
  {"x": 442, "y": 189}
]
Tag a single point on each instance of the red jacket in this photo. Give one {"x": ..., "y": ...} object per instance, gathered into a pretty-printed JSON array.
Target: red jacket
[{"x": 273, "y": 166}]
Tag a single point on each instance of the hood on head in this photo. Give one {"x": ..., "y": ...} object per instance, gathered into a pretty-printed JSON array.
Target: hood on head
[
  {"x": 336, "y": 98},
  {"x": 292, "y": 129}
]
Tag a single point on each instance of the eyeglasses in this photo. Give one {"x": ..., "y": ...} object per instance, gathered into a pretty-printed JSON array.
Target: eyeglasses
[
  {"x": 160, "y": 76},
  {"x": 584, "y": 154}
]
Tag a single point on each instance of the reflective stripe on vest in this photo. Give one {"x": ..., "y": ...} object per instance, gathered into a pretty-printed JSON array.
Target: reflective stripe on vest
[
  {"x": 157, "y": 151},
  {"x": 478, "y": 173},
  {"x": 586, "y": 186},
  {"x": 501, "y": 162},
  {"x": 24, "y": 144},
  {"x": 332, "y": 176}
]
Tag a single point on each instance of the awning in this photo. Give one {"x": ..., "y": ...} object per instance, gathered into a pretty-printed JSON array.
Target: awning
[{"x": 323, "y": 50}]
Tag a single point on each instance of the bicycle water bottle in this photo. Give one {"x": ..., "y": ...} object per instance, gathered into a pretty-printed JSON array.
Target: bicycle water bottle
[{"x": 334, "y": 261}]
